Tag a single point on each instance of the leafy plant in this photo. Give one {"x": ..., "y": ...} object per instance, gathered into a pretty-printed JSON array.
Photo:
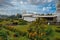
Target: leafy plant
[
  {"x": 39, "y": 30},
  {"x": 4, "y": 35}
]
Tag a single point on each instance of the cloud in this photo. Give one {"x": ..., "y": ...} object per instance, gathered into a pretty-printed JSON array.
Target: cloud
[
  {"x": 49, "y": 0},
  {"x": 5, "y": 3},
  {"x": 37, "y": 2},
  {"x": 21, "y": 2},
  {"x": 16, "y": 6}
]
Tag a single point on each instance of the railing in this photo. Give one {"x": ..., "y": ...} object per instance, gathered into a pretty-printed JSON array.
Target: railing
[{"x": 54, "y": 23}]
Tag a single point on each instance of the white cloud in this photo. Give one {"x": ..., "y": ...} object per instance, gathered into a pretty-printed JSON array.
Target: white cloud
[
  {"x": 25, "y": 3},
  {"x": 44, "y": 8},
  {"x": 49, "y": 0},
  {"x": 5, "y": 2},
  {"x": 20, "y": 5},
  {"x": 14, "y": 3},
  {"x": 37, "y": 1},
  {"x": 44, "y": 1},
  {"x": 48, "y": 7},
  {"x": 35, "y": 12},
  {"x": 21, "y": 2}
]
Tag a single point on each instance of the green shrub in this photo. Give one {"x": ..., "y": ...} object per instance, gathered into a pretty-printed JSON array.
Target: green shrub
[
  {"x": 4, "y": 35},
  {"x": 22, "y": 22},
  {"x": 38, "y": 30},
  {"x": 16, "y": 34}
]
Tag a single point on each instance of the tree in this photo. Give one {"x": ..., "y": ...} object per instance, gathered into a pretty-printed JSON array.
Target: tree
[{"x": 38, "y": 30}]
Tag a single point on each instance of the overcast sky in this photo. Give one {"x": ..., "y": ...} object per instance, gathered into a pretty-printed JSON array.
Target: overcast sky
[{"x": 11, "y": 7}]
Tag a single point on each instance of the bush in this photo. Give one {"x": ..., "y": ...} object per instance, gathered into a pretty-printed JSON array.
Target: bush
[
  {"x": 38, "y": 30},
  {"x": 15, "y": 23},
  {"x": 49, "y": 32},
  {"x": 57, "y": 31},
  {"x": 57, "y": 39},
  {"x": 16, "y": 34},
  {"x": 4, "y": 35},
  {"x": 22, "y": 22}
]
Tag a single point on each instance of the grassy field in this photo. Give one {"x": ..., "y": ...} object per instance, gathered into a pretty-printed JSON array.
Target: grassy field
[
  {"x": 24, "y": 28},
  {"x": 56, "y": 34}
]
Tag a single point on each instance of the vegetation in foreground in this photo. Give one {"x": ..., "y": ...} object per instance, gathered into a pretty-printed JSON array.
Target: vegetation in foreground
[{"x": 18, "y": 29}]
